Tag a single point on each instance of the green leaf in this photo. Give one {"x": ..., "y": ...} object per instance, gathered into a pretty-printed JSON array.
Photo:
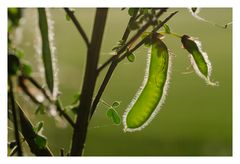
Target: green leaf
[
  {"x": 26, "y": 69},
  {"x": 115, "y": 104},
  {"x": 46, "y": 52},
  {"x": 131, "y": 57},
  {"x": 113, "y": 114},
  {"x": 40, "y": 141},
  {"x": 13, "y": 64},
  {"x": 14, "y": 15},
  {"x": 131, "y": 11},
  {"x": 167, "y": 28},
  {"x": 38, "y": 127},
  {"x": 40, "y": 109}
]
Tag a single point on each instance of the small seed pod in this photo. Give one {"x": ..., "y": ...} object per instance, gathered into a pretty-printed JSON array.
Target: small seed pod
[
  {"x": 199, "y": 59},
  {"x": 151, "y": 95}
]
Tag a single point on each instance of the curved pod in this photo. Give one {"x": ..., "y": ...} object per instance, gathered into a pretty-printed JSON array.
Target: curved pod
[
  {"x": 151, "y": 95},
  {"x": 199, "y": 59}
]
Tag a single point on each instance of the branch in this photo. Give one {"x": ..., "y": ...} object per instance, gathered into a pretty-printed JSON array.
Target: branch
[
  {"x": 36, "y": 84},
  {"x": 90, "y": 77},
  {"x": 63, "y": 113},
  {"x": 77, "y": 25},
  {"x": 115, "y": 60},
  {"x": 132, "y": 40},
  {"x": 15, "y": 117}
]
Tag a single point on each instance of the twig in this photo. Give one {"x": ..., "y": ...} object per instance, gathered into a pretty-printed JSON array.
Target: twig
[
  {"x": 15, "y": 117},
  {"x": 131, "y": 41},
  {"x": 116, "y": 60},
  {"x": 90, "y": 77},
  {"x": 63, "y": 113},
  {"x": 77, "y": 25},
  {"x": 35, "y": 83}
]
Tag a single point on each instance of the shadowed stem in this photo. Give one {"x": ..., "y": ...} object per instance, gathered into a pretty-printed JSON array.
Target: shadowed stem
[
  {"x": 77, "y": 25},
  {"x": 90, "y": 77},
  {"x": 15, "y": 115}
]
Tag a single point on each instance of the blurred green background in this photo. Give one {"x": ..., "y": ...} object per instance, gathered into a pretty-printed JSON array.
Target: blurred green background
[{"x": 195, "y": 120}]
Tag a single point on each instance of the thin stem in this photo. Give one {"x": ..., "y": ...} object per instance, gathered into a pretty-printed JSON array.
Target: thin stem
[
  {"x": 132, "y": 40},
  {"x": 115, "y": 60},
  {"x": 15, "y": 115},
  {"x": 58, "y": 102},
  {"x": 63, "y": 113},
  {"x": 90, "y": 77},
  {"x": 77, "y": 25},
  {"x": 171, "y": 33}
]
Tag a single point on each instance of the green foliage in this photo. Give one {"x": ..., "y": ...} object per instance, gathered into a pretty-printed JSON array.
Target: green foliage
[
  {"x": 40, "y": 109},
  {"x": 132, "y": 11},
  {"x": 131, "y": 57},
  {"x": 26, "y": 69},
  {"x": 40, "y": 141},
  {"x": 115, "y": 104},
  {"x": 167, "y": 29},
  {"x": 114, "y": 116},
  {"x": 14, "y": 16},
  {"x": 38, "y": 127}
]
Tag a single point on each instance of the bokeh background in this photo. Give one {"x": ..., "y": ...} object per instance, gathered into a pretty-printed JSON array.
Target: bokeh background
[{"x": 195, "y": 120}]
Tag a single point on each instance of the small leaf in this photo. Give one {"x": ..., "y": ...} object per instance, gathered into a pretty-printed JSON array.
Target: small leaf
[
  {"x": 40, "y": 141},
  {"x": 26, "y": 69},
  {"x": 131, "y": 11},
  {"x": 40, "y": 109},
  {"x": 38, "y": 127},
  {"x": 131, "y": 57},
  {"x": 112, "y": 114},
  {"x": 115, "y": 104},
  {"x": 167, "y": 28}
]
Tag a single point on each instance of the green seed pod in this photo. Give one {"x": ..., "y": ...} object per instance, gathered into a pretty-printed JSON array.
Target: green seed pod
[
  {"x": 199, "y": 59},
  {"x": 151, "y": 95}
]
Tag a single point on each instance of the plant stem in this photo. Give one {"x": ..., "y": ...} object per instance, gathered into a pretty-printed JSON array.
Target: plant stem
[
  {"x": 63, "y": 113},
  {"x": 90, "y": 77},
  {"x": 77, "y": 25},
  {"x": 15, "y": 115},
  {"x": 115, "y": 60},
  {"x": 132, "y": 40}
]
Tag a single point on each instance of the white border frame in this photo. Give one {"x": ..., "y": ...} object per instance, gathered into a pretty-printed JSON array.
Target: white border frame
[{"x": 122, "y": 3}]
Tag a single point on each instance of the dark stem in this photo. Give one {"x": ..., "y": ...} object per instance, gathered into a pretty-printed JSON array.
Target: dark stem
[
  {"x": 15, "y": 115},
  {"x": 115, "y": 60},
  {"x": 90, "y": 77},
  {"x": 63, "y": 113},
  {"x": 77, "y": 25}
]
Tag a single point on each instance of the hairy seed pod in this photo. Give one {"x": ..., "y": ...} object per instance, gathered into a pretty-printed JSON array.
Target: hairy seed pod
[
  {"x": 199, "y": 59},
  {"x": 151, "y": 95}
]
